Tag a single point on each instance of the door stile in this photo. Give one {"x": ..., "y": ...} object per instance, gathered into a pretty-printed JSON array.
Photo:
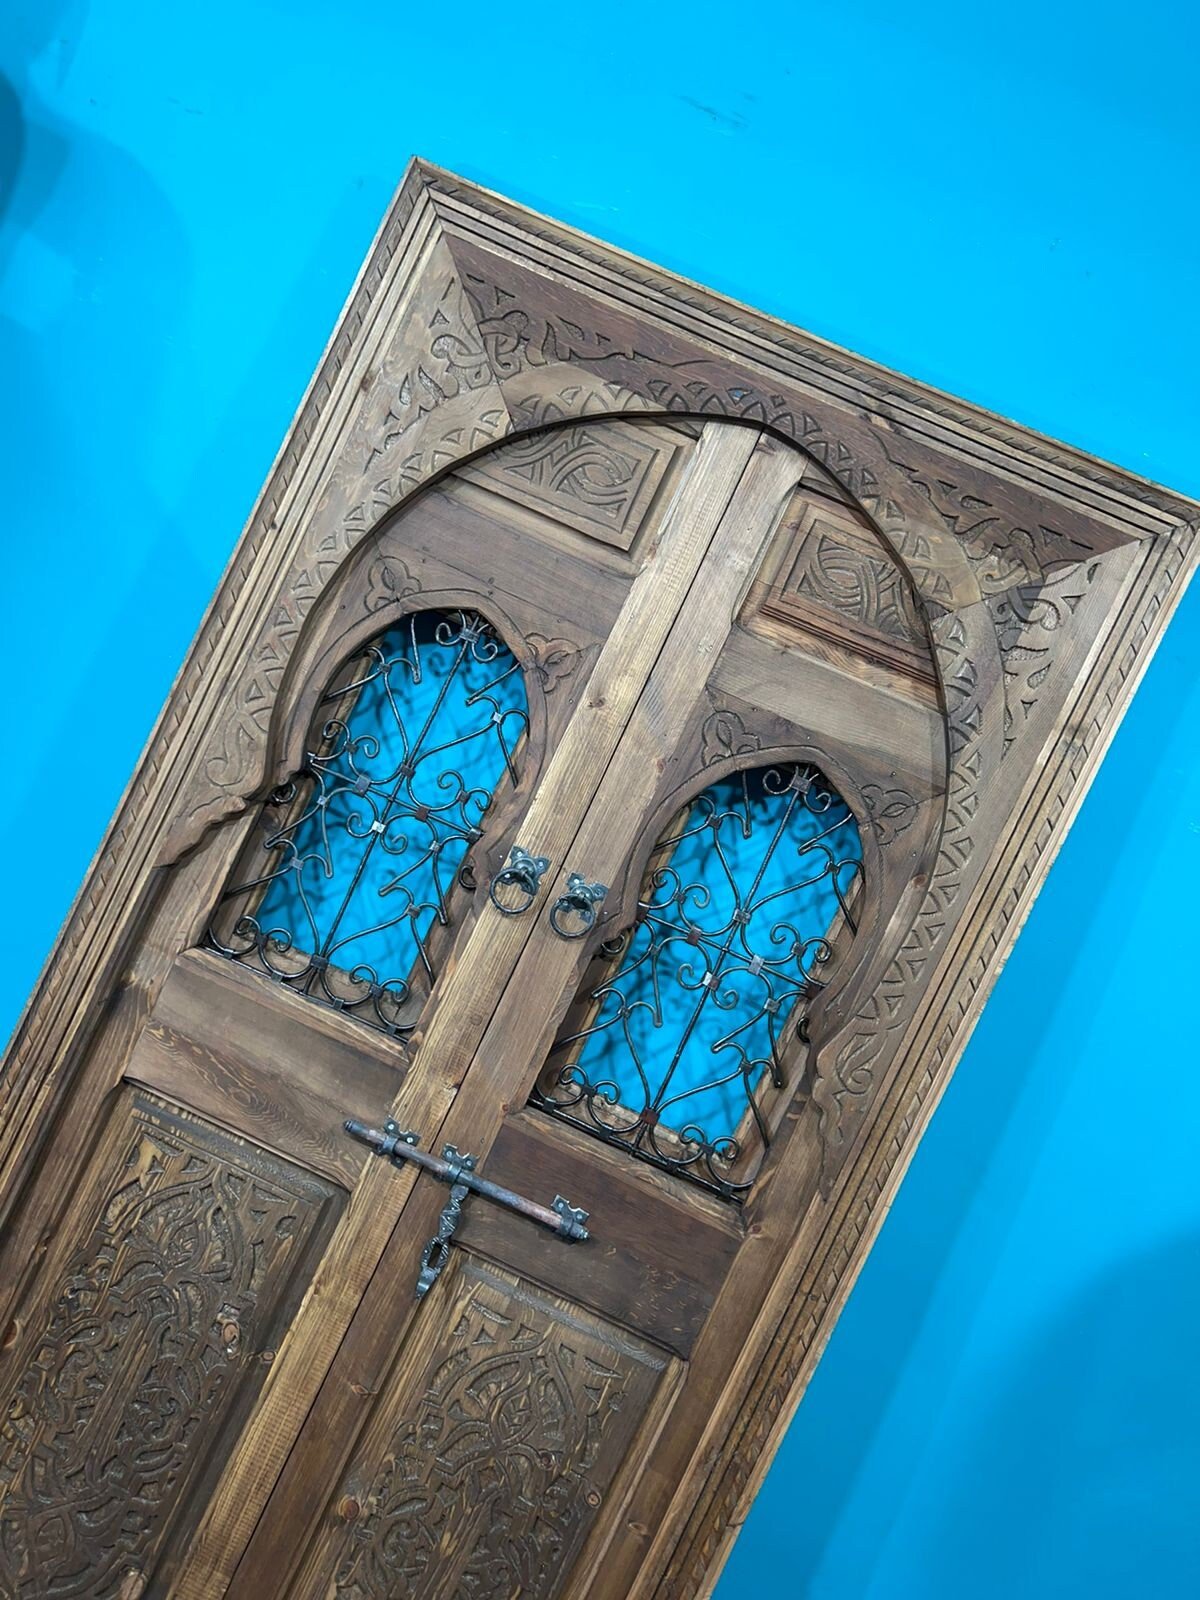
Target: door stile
[{"x": 461, "y": 1008}]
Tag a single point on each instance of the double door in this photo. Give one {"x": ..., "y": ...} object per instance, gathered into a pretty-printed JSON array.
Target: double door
[{"x": 562, "y": 873}]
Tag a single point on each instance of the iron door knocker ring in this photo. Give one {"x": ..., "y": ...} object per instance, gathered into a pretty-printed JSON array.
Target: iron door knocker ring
[
  {"x": 523, "y": 873},
  {"x": 579, "y": 899}
]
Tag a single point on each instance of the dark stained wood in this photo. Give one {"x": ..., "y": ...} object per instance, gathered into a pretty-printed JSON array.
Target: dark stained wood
[
  {"x": 656, "y": 1258},
  {"x": 710, "y": 541},
  {"x": 254, "y": 1057},
  {"x": 731, "y": 470},
  {"x": 156, "y": 1323},
  {"x": 516, "y": 1412}
]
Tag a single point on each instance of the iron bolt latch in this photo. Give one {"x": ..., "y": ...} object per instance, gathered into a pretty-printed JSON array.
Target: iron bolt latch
[{"x": 458, "y": 1170}]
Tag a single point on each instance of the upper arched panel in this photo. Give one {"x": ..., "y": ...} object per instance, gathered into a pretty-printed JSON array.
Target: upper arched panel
[{"x": 353, "y": 884}]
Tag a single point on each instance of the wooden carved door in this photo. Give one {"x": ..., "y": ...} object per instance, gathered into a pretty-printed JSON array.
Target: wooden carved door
[
  {"x": 642, "y": 1055},
  {"x": 576, "y": 790}
]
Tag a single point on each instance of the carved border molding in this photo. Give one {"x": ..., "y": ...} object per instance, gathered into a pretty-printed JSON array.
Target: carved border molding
[{"x": 1040, "y": 571}]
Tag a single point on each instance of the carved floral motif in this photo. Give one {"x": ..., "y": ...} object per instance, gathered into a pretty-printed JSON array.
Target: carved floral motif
[
  {"x": 389, "y": 582},
  {"x": 893, "y": 810},
  {"x": 553, "y": 659},
  {"x": 725, "y": 735},
  {"x": 1028, "y": 619},
  {"x": 134, "y": 846}
]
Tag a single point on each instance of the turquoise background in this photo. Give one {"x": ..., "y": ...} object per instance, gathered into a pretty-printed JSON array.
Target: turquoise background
[{"x": 999, "y": 200}]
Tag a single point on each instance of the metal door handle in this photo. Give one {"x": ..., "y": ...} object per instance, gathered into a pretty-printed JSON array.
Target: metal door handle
[
  {"x": 523, "y": 872},
  {"x": 458, "y": 1170},
  {"x": 579, "y": 899}
]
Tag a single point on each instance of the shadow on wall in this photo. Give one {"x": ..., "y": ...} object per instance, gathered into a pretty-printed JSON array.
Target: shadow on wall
[
  {"x": 1078, "y": 1479},
  {"x": 85, "y": 338},
  {"x": 67, "y": 195}
]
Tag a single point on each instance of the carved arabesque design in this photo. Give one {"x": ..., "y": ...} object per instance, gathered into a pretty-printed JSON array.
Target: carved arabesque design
[
  {"x": 893, "y": 810},
  {"x": 940, "y": 527},
  {"x": 869, "y": 590},
  {"x": 598, "y": 476},
  {"x": 501, "y": 1457},
  {"x": 157, "y": 1314},
  {"x": 1028, "y": 619},
  {"x": 844, "y": 1087},
  {"x": 282, "y": 539},
  {"x": 795, "y": 1343}
]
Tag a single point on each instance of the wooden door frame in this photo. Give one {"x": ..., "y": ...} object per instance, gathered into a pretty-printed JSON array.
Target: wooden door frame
[{"x": 1046, "y": 578}]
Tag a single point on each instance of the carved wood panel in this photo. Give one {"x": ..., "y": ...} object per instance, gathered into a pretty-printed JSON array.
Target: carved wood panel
[
  {"x": 506, "y": 1425},
  {"x": 835, "y": 582},
  {"x": 600, "y": 477},
  {"x": 157, "y": 1331}
]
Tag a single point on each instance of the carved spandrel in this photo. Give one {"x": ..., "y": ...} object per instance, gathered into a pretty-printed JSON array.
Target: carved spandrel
[
  {"x": 1031, "y": 621},
  {"x": 158, "y": 1324},
  {"x": 503, "y": 1450}
]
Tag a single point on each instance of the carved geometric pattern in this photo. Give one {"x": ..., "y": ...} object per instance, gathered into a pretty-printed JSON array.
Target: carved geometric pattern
[
  {"x": 160, "y": 1311},
  {"x": 597, "y": 478},
  {"x": 863, "y": 587},
  {"x": 495, "y": 1469},
  {"x": 798, "y": 1338},
  {"x": 840, "y": 410},
  {"x": 844, "y": 1090}
]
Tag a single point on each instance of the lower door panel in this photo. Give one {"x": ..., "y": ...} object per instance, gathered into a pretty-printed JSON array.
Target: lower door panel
[
  {"x": 132, "y": 1369},
  {"x": 493, "y": 1449}
]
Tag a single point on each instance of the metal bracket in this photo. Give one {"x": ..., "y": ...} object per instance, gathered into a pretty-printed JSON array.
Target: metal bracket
[{"x": 458, "y": 1170}]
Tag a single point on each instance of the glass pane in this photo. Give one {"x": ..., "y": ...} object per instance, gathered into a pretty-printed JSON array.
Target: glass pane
[
  {"x": 672, "y": 1053},
  {"x": 361, "y": 852}
]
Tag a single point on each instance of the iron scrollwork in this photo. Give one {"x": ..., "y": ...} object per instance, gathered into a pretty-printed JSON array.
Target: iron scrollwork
[
  {"x": 689, "y": 1018},
  {"x": 523, "y": 873},
  {"x": 362, "y": 851},
  {"x": 578, "y": 901}
]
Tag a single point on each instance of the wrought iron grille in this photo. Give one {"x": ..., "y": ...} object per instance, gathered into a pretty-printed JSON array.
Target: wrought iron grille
[
  {"x": 690, "y": 1019},
  {"x": 351, "y": 887}
]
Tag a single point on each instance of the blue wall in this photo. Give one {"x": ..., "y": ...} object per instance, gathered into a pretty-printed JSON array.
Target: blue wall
[{"x": 998, "y": 200}]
